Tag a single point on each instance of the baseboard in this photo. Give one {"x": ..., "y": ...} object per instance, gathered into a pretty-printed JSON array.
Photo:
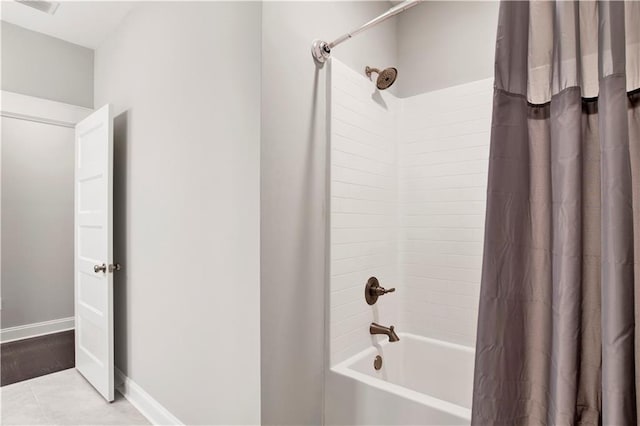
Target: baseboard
[
  {"x": 36, "y": 329},
  {"x": 148, "y": 407}
]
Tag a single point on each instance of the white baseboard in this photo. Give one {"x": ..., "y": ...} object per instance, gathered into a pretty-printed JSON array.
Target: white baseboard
[
  {"x": 37, "y": 329},
  {"x": 148, "y": 407}
]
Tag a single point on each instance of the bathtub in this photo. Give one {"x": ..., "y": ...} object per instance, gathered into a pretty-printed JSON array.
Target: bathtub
[{"x": 422, "y": 381}]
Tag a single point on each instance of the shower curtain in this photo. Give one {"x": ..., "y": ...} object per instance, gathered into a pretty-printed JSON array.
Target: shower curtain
[{"x": 558, "y": 332}]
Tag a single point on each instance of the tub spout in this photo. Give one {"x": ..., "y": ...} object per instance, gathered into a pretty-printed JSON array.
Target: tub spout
[{"x": 380, "y": 329}]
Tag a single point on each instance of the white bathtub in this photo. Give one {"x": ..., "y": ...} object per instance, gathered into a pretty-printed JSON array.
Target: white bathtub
[{"x": 423, "y": 381}]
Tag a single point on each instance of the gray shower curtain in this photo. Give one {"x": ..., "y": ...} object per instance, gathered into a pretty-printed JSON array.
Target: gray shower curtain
[{"x": 558, "y": 332}]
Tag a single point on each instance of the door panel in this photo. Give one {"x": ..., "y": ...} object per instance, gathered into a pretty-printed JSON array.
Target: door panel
[{"x": 94, "y": 247}]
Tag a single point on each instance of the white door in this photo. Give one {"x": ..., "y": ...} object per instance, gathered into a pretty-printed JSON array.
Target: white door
[{"x": 94, "y": 264}]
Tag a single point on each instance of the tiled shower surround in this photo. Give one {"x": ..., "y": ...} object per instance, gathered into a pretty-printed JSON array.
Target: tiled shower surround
[{"x": 408, "y": 186}]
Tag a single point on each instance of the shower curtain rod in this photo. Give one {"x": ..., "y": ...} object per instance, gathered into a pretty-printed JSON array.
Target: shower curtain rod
[{"x": 321, "y": 50}]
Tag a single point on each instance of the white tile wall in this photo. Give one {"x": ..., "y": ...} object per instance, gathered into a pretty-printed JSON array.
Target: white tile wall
[
  {"x": 443, "y": 157},
  {"x": 364, "y": 208},
  {"x": 408, "y": 184}
]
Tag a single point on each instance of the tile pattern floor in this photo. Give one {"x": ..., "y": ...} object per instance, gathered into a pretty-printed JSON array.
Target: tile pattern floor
[{"x": 63, "y": 398}]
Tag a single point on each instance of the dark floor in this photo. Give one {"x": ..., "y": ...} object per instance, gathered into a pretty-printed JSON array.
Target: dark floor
[{"x": 29, "y": 358}]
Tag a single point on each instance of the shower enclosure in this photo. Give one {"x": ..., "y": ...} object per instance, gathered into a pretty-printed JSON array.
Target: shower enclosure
[
  {"x": 407, "y": 198},
  {"x": 407, "y": 191}
]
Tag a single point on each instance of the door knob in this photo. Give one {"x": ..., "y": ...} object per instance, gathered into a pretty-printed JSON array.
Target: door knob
[
  {"x": 114, "y": 267},
  {"x": 99, "y": 268}
]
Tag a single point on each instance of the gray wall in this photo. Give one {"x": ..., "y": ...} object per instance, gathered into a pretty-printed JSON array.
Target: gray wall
[
  {"x": 37, "y": 222},
  {"x": 37, "y": 65},
  {"x": 37, "y": 177},
  {"x": 294, "y": 193},
  {"x": 445, "y": 43},
  {"x": 184, "y": 78}
]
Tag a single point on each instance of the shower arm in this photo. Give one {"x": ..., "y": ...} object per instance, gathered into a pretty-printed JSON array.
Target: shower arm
[{"x": 321, "y": 50}]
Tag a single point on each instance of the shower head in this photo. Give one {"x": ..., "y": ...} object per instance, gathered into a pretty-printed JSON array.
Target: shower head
[{"x": 386, "y": 77}]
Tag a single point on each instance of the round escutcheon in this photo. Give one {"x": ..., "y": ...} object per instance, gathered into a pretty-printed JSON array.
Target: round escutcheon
[
  {"x": 377, "y": 363},
  {"x": 370, "y": 294}
]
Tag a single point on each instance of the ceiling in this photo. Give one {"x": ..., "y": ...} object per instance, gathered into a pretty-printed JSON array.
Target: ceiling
[{"x": 87, "y": 23}]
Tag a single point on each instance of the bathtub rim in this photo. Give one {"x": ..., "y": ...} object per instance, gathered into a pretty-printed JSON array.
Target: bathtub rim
[{"x": 343, "y": 368}]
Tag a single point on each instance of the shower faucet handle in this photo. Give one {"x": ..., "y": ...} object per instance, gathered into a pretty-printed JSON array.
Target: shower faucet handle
[
  {"x": 373, "y": 290},
  {"x": 381, "y": 290}
]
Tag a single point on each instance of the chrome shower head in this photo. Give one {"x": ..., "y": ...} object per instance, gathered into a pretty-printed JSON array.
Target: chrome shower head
[{"x": 386, "y": 77}]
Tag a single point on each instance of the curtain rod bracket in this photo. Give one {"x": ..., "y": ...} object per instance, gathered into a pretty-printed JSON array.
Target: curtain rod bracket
[{"x": 321, "y": 50}]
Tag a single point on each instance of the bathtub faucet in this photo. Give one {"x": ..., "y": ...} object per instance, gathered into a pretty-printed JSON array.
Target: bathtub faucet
[{"x": 380, "y": 329}]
